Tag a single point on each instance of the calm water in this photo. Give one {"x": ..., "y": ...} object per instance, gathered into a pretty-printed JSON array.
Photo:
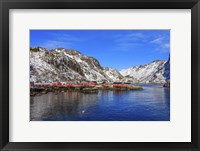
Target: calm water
[{"x": 150, "y": 104}]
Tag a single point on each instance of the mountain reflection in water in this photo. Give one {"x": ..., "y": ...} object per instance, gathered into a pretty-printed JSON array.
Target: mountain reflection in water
[{"x": 150, "y": 104}]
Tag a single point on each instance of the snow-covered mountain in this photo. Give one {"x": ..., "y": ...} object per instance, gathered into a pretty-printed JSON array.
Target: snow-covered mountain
[
  {"x": 62, "y": 65},
  {"x": 155, "y": 72}
]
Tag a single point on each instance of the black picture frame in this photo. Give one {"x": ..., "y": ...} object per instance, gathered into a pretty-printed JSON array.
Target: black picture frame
[{"x": 5, "y": 5}]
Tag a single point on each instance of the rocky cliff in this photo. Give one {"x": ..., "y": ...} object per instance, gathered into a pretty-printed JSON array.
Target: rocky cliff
[{"x": 62, "y": 65}]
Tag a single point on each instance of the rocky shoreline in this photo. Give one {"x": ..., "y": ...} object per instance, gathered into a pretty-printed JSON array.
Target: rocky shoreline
[
  {"x": 167, "y": 84},
  {"x": 82, "y": 89}
]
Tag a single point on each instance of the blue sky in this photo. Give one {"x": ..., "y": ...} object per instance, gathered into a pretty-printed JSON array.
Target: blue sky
[{"x": 119, "y": 49}]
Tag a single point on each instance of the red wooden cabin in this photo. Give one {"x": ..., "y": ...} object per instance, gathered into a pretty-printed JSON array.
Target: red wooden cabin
[{"x": 54, "y": 84}]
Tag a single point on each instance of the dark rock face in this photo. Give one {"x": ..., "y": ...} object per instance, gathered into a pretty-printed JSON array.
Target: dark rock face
[
  {"x": 167, "y": 84},
  {"x": 167, "y": 70},
  {"x": 167, "y": 73}
]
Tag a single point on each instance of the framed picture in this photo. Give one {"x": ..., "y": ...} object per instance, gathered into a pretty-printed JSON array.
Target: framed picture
[{"x": 91, "y": 75}]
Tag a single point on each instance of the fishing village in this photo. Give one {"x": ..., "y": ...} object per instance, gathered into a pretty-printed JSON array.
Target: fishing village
[{"x": 86, "y": 87}]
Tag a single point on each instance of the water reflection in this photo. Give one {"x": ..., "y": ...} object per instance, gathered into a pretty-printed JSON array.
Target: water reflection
[
  {"x": 117, "y": 92},
  {"x": 152, "y": 103},
  {"x": 51, "y": 106}
]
